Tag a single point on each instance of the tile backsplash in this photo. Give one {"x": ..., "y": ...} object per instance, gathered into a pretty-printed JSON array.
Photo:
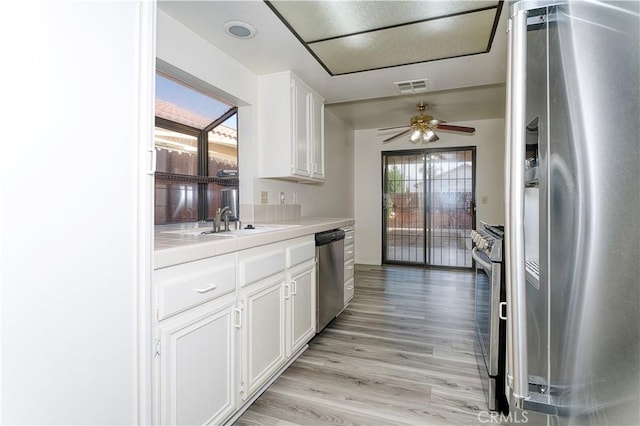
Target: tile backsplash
[{"x": 265, "y": 212}]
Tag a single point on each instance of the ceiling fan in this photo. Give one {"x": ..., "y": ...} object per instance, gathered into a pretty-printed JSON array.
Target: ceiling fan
[{"x": 423, "y": 127}]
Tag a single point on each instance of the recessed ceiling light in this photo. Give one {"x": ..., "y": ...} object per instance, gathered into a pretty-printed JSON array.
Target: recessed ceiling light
[{"x": 239, "y": 29}]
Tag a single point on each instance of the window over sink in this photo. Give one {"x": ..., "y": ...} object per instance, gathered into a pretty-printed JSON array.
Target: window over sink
[{"x": 196, "y": 142}]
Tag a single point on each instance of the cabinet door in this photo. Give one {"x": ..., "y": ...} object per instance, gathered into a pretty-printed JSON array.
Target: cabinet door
[
  {"x": 262, "y": 327},
  {"x": 300, "y": 144},
  {"x": 290, "y": 147},
  {"x": 316, "y": 139},
  {"x": 197, "y": 364},
  {"x": 300, "y": 295}
]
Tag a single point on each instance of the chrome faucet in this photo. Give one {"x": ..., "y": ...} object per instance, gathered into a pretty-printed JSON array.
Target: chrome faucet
[{"x": 221, "y": 213}]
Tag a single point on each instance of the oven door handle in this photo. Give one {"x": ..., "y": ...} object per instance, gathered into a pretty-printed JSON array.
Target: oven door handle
[{"x": 481, "y": 261}]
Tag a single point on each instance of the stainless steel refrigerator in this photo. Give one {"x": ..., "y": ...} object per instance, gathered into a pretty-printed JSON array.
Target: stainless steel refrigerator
[{"x": 573, "y": 212}]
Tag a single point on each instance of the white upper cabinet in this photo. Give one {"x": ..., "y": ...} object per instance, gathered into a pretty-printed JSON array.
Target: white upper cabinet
[
  {"x": 317, "y": 135},
  {"x": 301, "y": 164},
  {"x": 291, "y": 129}
]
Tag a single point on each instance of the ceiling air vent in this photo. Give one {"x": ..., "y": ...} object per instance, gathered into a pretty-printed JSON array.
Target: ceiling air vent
[{"x": 413, "y": 86}]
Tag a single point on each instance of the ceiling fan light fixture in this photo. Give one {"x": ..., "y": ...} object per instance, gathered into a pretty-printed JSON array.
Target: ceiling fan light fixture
[
  {"x": 423, "y": 128},
  {"x": 426, "y": 136},
  {"x": 415, "y": 135}
]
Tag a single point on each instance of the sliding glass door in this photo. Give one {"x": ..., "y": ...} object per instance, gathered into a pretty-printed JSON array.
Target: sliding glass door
[
  {"x": 428, "y": 206},
  {"x": 404, "y": 207}
]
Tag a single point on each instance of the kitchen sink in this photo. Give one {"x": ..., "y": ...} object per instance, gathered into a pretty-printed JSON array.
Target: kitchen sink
[
  {"x": 205, "y": 232},
  {"x": 197, "y": 232}
]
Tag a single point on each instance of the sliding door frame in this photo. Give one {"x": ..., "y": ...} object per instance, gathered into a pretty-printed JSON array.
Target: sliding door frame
[{"x": 427, "y": 208}]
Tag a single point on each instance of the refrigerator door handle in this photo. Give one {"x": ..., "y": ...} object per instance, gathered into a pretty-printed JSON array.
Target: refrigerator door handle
[
  {"x": 529, "y": 392},
  {"x": 503, "y": 310},
  {"x": 517, "y": 378},
  {"x": 507, "y": 223}
]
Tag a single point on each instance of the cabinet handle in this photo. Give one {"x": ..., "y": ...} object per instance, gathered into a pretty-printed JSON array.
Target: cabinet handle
[
  {"x": 287, "y": 291},
  {"x": 349, "y": 267},
  {"x": 294, "y": 289},
  {"x": 238, "y": 312},
  {"x": 310, "y": 167},
  {"x": 206, "y": 290},
  {"x": 350, "y": 252}
]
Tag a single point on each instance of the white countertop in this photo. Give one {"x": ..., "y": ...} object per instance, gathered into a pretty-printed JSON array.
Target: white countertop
[{"x": 173, "y": 247}]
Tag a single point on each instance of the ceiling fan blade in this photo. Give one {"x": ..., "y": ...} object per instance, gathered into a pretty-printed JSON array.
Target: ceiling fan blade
[
  {"x": 397, "y": 136},
  {"x": 390, "y": 128},
  {"x": 453, "y": 128}
]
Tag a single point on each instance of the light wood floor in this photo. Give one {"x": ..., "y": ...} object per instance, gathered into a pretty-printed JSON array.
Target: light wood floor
[{"x": 401, "y": 353}]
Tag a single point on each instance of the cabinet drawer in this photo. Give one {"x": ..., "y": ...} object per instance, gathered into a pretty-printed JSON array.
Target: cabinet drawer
[
  {"x": 348, "y": 236},
  {"x": 349, "y": 252},
  {"x": 260, "y": 266},
  {"x": 348, "y": 270},
  {"x": 184, "y": 286},
  {"x": 300, "y": 253},
  {"x": 349, "y": 289}
]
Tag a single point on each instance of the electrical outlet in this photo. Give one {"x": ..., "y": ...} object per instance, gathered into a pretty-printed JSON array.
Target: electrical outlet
[
  {"x": 485, "y": 199},
  {"x": 264, "y": 197}
]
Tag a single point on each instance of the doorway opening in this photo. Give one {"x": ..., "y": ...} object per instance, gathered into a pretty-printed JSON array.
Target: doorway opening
[{"x": 428, "y": 206}]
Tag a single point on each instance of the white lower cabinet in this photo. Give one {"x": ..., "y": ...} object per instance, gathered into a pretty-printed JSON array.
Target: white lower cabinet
[
  {"x": 196, "y": 371},
  {"x": 228, "y": 325},
  {"x": 300, "y": 297},
  {"x": 262, "y": 328},
  {"x": 349, "y": 264},
  {"x": 261, "y": 272},
  {"x": 195, "y": 342},
  {"x": 349, "y": 290}
]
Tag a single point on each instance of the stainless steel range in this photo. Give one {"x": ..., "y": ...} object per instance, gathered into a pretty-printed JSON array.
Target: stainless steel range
[{"x": 490, "y": 313}]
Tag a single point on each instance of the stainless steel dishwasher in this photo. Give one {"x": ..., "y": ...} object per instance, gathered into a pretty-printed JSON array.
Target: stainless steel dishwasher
[{"x": 330, "y": 276}]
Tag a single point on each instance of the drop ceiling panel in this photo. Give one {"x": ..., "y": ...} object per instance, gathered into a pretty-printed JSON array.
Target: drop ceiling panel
[
  {"x": 424, "y": 41},
  {"x": 354, "y": 36},
  {"x": 319, "y": 20},
  {"x": 276, "y": 48}
]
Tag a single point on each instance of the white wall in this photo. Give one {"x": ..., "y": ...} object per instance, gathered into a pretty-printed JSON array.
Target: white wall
[
  {"x": 489, "y": 142},
  {"x": 193, "y": 58},
  {"x": 72, "y": 89},
  {"x": 335, "y": 198}
]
